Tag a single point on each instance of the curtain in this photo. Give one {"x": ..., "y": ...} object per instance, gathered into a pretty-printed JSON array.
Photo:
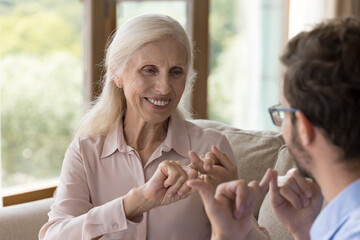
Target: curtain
[
  {"x": 346, "y": 8},
  {"x": 303, "y": 14}
]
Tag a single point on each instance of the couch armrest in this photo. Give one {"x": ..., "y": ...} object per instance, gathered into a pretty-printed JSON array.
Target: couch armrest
[{"x": 23, "y": 221}]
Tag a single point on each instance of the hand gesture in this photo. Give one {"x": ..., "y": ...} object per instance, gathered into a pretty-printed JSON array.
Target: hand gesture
[
  {"x": 230, "y": 207},
  {"x": 167, "y": 185},
  {"x": 215, "y": 165},
  {"x": 296, "y": 201}
]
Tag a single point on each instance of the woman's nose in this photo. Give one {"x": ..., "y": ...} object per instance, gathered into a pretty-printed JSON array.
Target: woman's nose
[{"x": 163, "y": 84}]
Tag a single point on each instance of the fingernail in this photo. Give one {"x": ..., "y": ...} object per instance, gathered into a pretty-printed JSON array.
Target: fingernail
[{"x": 308, "y": 193}]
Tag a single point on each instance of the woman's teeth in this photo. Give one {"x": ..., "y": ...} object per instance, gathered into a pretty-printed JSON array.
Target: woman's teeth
[{"x": 157, "y": 102}]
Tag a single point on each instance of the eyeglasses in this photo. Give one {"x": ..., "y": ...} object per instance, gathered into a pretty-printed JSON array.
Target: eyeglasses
[{"x": 277, "y": 114}]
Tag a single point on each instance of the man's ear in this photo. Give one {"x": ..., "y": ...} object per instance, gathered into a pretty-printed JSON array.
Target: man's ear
[{"x": 305, "y": 128}]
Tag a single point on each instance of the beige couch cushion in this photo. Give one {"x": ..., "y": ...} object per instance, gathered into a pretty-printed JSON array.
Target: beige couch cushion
[{"x": 23, "y": 221}]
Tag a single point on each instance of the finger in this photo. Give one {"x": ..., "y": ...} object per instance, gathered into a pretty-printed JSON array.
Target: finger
[
  {"x": 265, "y": 181},
  {"x": 205, "y": 190},
  {"x": 209, "y": 160},
  {"x": 176, "y": 178},
  {"x": 291, "y": 196},
  {"x": 244, "y": 197},
  {"x": 302, "y": 182},
  {"x": 275, "y": 197},
  {"x": 223, "y": 159},
  {"x": 191, "y": 174},
  {"x": 299, "y": 185},
  {"x": 289, "y": 188},
  {"x": 197, "y": 163},
  {"x": 228, "y": 189}
]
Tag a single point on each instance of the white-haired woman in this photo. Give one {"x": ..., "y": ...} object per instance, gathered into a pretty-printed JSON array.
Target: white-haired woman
[{"x": 129, "y": 158}]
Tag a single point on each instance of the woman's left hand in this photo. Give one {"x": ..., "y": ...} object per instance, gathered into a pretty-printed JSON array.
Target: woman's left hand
[{"x": 215, "y": 166}]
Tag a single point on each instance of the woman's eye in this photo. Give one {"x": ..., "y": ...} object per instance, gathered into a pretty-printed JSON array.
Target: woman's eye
[
  {"x": 176, "y": 71},
  {"x": 149, "y": 70}
]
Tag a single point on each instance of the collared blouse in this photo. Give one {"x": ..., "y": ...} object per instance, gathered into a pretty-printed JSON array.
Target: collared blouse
[{"x": 98, "y": 172}]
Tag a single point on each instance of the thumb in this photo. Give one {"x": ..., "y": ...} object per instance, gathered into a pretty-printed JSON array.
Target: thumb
[{"x": 205, "y": 190}]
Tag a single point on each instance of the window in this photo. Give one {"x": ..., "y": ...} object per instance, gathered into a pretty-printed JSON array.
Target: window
[
  {"x": 246, "y": 38},
  {"x": 41, "y": 87},
  {"x": 128, "y": 9}
]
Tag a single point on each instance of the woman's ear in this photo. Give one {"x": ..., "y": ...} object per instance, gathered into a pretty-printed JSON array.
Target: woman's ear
[
  {"x": 118, "y": 82},
  {"x": 305, "y": 128}
]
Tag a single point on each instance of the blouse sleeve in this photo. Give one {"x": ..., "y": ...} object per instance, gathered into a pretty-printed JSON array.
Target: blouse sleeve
[{"x": 72, "y": 216}]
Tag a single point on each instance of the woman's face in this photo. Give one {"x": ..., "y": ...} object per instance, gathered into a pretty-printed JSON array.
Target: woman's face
[{"x": 154, "y": 80}]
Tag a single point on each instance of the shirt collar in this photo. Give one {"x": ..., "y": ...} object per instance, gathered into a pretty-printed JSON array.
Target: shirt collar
[
  {"x": 177, "y": 138},
  {"x": 335, "y": 214},
  {"x": 114, "y": 139}
]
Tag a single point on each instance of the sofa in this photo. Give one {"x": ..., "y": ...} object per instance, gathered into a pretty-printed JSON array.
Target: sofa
[{"x": 255, "y": 152}]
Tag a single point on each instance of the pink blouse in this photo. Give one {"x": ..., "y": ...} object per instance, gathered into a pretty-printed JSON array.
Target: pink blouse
[{"x": 96, "y": 173}]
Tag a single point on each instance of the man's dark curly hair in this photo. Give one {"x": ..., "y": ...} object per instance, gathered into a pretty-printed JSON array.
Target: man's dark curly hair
[{"x": 322, "y": 79}]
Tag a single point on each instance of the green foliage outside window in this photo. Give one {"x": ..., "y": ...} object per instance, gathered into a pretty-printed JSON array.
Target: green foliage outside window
[
  {"x": 41, "y": 86},
  {"x": 223, "y": 33}
]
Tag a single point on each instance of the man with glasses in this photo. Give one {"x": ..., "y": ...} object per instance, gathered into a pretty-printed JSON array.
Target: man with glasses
[{"x": 319, "y": 115}]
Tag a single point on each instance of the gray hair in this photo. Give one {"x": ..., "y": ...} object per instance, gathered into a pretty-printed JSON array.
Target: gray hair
[{"x": 127, "y": 39}]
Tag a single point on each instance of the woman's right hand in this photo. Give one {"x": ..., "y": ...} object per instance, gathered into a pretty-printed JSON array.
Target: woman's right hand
[{"x": 167, "y": 185}]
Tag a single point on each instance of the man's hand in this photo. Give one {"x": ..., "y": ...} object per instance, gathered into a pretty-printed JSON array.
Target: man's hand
[
  {"x": 230, "y": 207},
  {"x": 296, "y": 201},
  {"x": 215, "y": 165}
]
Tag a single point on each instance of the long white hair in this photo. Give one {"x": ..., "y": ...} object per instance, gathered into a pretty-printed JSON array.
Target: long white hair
[{"x": 127, "y": 39}]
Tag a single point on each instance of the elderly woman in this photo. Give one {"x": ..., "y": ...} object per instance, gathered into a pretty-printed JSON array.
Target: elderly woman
[{"x": 124, "y": 175}]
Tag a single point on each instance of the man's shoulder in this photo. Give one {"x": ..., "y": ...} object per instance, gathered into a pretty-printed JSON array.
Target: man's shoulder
[{"x": 350, "y": 230}]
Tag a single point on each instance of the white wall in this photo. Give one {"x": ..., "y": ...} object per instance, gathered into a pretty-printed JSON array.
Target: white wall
[{"x": 303, "y": 14}]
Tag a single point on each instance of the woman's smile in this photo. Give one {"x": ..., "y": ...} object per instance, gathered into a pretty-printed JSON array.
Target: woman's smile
[{"x": 158, "y": 103}]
